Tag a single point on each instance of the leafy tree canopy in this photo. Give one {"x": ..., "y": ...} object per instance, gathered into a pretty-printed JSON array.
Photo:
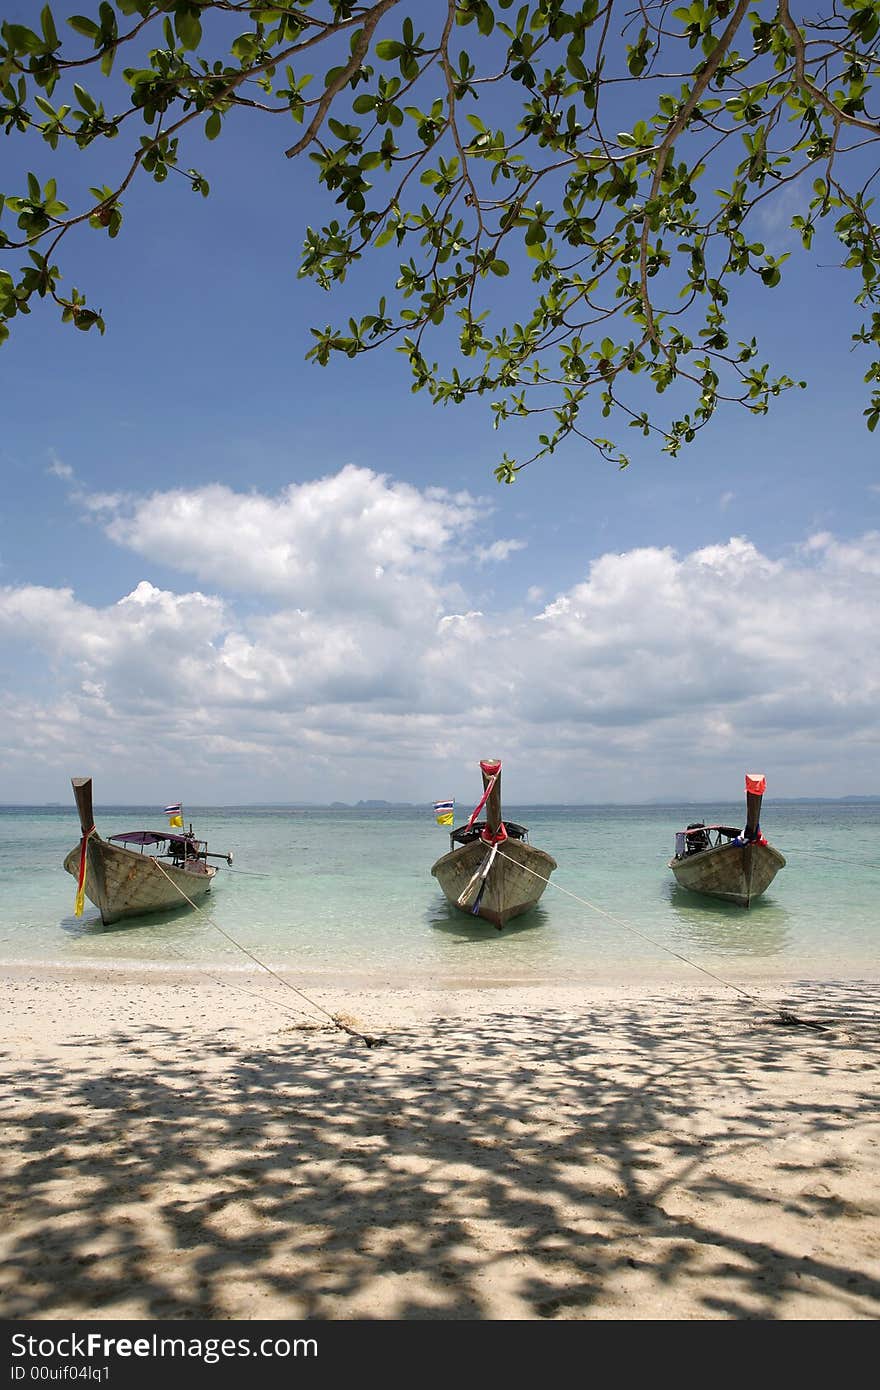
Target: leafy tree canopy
[{"x": 564, "y": 187}]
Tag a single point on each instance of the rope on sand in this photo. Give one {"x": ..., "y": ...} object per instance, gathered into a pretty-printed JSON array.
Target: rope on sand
[
  {"x": 368, "y": 1038},
  {"x": 783, "y": 1016}
]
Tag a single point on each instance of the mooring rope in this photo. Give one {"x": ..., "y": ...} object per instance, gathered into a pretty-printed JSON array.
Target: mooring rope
[
  {"x": 367, "y": 1038},
  {"x": 835, "y": 858},
  {"x": 228, "y": 984},
  {"x": 784, "y": 1015}
]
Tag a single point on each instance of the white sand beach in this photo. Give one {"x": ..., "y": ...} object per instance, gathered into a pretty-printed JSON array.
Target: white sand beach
[{"x": 178, "y": 1149}]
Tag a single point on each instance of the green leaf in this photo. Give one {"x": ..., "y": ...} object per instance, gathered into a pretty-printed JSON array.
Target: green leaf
[
  {"x": 84, "y": 26},
  {"x": 189, "y": 27},
  {"x": 22, "y": 40},
  {"x": 86, "y": 102},
  {"x": 50, "y": 33},
  {"x": 244, "y": 47}
]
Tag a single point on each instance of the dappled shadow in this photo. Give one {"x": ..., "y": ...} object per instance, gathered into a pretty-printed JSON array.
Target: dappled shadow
[{"x": 653, "y": 1158}]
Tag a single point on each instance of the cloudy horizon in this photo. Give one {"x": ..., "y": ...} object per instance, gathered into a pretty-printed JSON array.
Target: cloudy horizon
[{"x": 331, "y": 651}]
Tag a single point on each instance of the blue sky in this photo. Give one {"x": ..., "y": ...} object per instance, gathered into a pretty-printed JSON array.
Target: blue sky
[{"x": 228, "y": 575}]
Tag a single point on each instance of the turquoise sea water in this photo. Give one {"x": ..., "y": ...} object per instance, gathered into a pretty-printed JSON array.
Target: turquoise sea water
[{"x": 348, "y": 894}]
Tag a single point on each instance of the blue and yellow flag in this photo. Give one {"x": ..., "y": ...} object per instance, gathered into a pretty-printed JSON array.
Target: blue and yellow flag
[
  {"x": 175, "y": 814},
  {"x": 444, "y": 811}
]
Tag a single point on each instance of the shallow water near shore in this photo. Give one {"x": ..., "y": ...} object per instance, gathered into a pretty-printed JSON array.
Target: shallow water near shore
[{"x": 348, "y": 894}]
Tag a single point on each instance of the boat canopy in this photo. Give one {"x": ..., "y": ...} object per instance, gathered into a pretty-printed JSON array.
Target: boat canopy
[
  {"x": 695, "y": 829},
  {"x": 151, "y": 837},
  {"x": 698, "y": 837}
]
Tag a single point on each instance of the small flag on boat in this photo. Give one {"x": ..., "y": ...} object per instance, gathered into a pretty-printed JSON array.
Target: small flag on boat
[
  {"x": 175, "y": 812},
  {"x": 444, "y": 811}
]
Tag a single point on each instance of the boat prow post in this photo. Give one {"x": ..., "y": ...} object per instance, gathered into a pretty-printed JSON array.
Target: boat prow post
[
  {"x": 756, "y": 785},
  {"x": 82, "y": 795}
]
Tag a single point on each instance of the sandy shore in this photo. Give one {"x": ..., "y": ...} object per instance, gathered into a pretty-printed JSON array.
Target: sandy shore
[{"x": 181, "y": 1149}]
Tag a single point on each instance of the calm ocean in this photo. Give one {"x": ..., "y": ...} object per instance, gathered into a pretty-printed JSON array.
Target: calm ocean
[{"x": 348, "y": 894}]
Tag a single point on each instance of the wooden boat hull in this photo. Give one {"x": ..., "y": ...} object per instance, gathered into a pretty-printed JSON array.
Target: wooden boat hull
[
  {"x": 735, "y": 873},
  {"x": 510, "y": 888},
  {"x": 124, "y": 883}
]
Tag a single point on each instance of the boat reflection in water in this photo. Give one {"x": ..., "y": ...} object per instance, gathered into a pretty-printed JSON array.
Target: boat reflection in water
[
  {"x": 720, "y": 928},
  {"x": 91, "y": 924},
  {"x": 447, "y": 919}
]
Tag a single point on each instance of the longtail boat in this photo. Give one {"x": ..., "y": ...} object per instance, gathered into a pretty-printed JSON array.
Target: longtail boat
[
  {"x": 123, "y": 879},
  {"x": 491, "y": 870},
  {"x": 722, "y": 861}
]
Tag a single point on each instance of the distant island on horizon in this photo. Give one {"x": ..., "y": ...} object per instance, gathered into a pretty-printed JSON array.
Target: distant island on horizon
[{"x": 377, "y": 804}]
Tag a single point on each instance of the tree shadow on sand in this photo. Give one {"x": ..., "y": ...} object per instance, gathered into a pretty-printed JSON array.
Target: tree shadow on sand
[{"x": 676, "y": 1159}]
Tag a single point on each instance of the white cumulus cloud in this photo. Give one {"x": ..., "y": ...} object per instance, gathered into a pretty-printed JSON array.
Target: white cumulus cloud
[
  {"x": 656, "y": 670},
  {"x": 353, "y": 538}
]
